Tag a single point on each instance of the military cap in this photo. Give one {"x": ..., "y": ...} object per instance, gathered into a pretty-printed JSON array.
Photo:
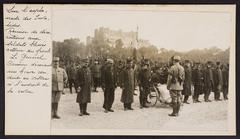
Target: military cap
[
  {"x": 187, "y": 61},
  {"x": 209, "y": 62},
  {"x": 129, "y": 60},
  {"x": 110, "y": 60},
  {"x": 176, "y": 58},
  {"x": 218, "y": 63},
  {"x": 55, "y": 59}
]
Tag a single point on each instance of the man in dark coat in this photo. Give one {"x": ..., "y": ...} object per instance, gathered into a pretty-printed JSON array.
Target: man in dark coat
[
  {"x": 84, "y": 80},
  {"x": 208, "y": 81},
  {"x": 108, "y": 85},
  {"x": 225, "y": 73},
  {"x": 127, "y": 86},
  {"x": 71, "y": 72},
  {"x": 198, "y": 79},
  {"x": 187, "y": 86},
  {"x": 144, "y": 80},
  {"x": 218, "y": 82}
]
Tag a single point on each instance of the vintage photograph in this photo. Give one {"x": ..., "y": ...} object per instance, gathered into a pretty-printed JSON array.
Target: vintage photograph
[{"x": 140, "y": 70}]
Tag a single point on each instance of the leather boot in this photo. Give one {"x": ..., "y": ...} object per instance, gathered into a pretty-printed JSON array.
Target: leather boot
[
  {"x": 85, "y": 109},
  {"x": 174, "y": 110},
  {"x": 81, "y": 109}
]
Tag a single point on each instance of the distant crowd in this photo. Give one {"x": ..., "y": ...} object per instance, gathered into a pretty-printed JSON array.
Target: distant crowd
[{"x": 182, "y": 77}]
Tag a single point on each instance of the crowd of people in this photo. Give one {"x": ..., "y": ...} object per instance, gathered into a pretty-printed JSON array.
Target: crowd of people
[{"x": 183, "y": 79}]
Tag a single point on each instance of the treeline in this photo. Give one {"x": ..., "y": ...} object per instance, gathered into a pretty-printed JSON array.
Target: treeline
[{"x": 72, "y": 49}]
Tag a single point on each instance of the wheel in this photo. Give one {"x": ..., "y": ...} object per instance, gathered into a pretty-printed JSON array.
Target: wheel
[{"x": 152, "y": 98}]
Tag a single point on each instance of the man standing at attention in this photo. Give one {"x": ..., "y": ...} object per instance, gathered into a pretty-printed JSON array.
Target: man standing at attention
[
  {"x": 108, "y": 84},
  {"x": 175, "y": 84},
  {"x": 59, "y": 77},
  {"x": 84, "y": 80},
  {"x": 127, "y": 86}
]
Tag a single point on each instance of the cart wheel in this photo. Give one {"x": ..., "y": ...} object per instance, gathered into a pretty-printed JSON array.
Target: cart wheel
[{"x": 152, "y": 98}]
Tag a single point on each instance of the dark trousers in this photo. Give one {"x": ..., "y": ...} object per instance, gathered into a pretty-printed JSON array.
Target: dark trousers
[
  {"x": 83, "y": 107},
  {"x": 96, "y": 81},
  {"x": 225, "y": 92},
  {"x": 207, "y": 94},
  {"x": 186, "y": 98},
  {"x": 127, "y": 105},
  {"x": 108, "y": 98},
  {"x": 143, "y": 95},
  {"x": 195, "y": 96},
  {"x": 72, "y": 82}
]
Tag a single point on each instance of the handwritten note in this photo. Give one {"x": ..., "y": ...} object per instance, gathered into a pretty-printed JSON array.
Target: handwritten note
[
  {"x": 28, "y": 54},
  {"x": 28, "y": 57}
]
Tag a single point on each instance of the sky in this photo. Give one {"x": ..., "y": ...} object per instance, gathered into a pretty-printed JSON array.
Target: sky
[{"x": 181, "y": 31}]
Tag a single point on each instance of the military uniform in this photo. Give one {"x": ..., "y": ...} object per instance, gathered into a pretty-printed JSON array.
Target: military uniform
[
  {"x": 144, "y": 80},
  {"x": 198, "y": 81},
  {"x": 208, "y": 82},
  {"x": 96, "y": 74},
  {"x": 175, "y": 85},
  {"x": 128, "y": 87},
  {"x": 59, "y": 77},
  {"x": 71, "y": 72},
  {"x": 84, "y": 80},
  {"x": 225, "y": 73},
  {"x": 187, "y": 86},
  {"x": 218, "y": 82},
  {"x": 108, "y": 85}
]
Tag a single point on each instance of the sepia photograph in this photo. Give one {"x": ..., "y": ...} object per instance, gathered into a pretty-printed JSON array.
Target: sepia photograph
[
  {"x": 119, "y": 69},
  {"x": 134, "y": 69}
]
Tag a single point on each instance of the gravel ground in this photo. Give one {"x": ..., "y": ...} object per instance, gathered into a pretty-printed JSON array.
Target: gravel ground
[{"x": 203, "y": 116}]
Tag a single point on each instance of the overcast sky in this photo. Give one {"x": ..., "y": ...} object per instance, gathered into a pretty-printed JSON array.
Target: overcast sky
[{"x": 181, "y": 31}]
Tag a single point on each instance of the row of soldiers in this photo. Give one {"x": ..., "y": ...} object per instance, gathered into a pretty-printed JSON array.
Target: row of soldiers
[{"x": 180, "y": 80}]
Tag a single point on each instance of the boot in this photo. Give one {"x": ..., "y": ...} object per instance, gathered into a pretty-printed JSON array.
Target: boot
[
  {"x": 174, "y": 110},
  {"x": 55, "y": 111},
  {"x": 81, "y": 109},
  {"x": 85, "y": 109}
]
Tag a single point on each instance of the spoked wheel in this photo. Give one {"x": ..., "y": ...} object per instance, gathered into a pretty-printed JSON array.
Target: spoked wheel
[{"x": 152, "y": 98}]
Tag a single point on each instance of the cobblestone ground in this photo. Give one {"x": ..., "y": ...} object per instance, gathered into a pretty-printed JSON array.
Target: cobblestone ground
[{"x": 203, "y": 116}]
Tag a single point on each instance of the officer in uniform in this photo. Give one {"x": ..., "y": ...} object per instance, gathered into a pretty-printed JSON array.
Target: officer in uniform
[
  {"x": 71, "y": 72},
  {"x": 175, "y": 84},
  {"x": 59, "y": 77},
  {"x": 218, "y": 81},
  {"x": 208, "y": 81},
  {"x": 187, "y": 86},
  {"x": 109, "y": 85},
  {"x": 84, "y": 80},
  {"x": 144, "y": 79},
  {"x": 127, "y": 86}
]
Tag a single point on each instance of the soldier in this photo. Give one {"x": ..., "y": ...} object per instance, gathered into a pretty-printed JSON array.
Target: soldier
[
  {"x": 84, "y": 80},
  {"x": 175, "y": 84},
  {"x": 218, "y": 82},
  {"x": 108, "y": 85},
  {"x": 144, "y": 79},
  {"x": 127, "y": 86},
  {"x": 71, "y": 72},
  {"x": 96, "y": 74},
  {"x": 59, "y": 77},
  {"x": 198, "y": 82},
  {"x": 208, "y": 81},
  {"x": 225, "y": 73},
  {"x": 187, "y": 86}
]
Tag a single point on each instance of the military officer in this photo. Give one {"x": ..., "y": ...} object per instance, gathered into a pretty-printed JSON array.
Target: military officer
[
  {"x": 127, "y": 86},
  {"x": 109, "y": 85},
  {"x": 96, "y": 74},
  {"x": 208, "y": 81},
  {"x": 218, "y": 81},
  {"x": 225, "y": 73},
  {"x": 198, "y": 82},
  {"x": 175, "y": 84},
  {"x": 187, "y": 86},
  {"x": 59, "y": 77},
  {"x": 84, "y": 80},
  {"x": 144, "y": 80},
  {"x": 71, "y": 72}
]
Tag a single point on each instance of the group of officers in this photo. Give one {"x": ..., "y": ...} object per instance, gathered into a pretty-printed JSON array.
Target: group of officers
[{"x": 182, "y": 78}]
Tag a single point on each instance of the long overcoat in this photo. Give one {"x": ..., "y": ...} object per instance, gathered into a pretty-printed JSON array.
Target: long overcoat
[
  {"x": 84, "y": 80},
  {"x": 127, "y": 85},
  {"x": 187, "y": 82},
  {"x": 198, "y": 81}
]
